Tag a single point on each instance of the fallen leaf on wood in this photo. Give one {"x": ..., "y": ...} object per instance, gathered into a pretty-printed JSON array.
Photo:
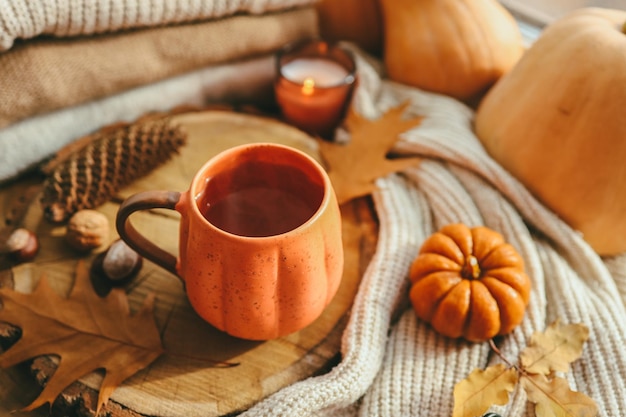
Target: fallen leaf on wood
[
  {"x": 547, "y": 352},
  {"x": 81, "y": 331},
  {"x": 481, "y": 389},
  {"x": 354, "y": 167},
  {"x": 554, "y": 349},
  {"x": 553, "y": 397}
]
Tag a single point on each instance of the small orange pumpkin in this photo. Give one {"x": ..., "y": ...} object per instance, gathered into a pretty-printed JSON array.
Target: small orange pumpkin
[{"x": 470, "y": 283}]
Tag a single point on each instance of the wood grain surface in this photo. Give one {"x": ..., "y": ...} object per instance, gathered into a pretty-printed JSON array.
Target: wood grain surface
[{"x": 187, "y": 380}]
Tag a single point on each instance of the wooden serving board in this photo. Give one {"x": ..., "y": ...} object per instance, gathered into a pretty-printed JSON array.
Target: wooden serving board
[{"x": 186, "y": 381}]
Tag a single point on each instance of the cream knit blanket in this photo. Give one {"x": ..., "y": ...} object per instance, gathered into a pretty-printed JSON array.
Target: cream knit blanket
[
  {"x": 403, "y": 368},
  {"x": 24, "y": 19}
]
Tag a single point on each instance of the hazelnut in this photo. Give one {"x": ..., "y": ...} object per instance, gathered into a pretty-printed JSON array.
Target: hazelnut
[
  {"x": 87, "y": 230},
  {"x": 22, "y": 245},
  {"x": 119, "y": 263}
]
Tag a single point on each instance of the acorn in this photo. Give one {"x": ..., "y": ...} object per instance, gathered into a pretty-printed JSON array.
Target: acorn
[
  {"x": 22, "y": 245},
  {"x": 118, "y": 264}
]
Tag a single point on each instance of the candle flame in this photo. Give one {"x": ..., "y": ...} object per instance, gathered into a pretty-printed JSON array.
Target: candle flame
[{"x": 308, "y": 86}]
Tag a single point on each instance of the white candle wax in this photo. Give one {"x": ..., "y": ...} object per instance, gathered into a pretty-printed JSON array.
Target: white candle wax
[{"x": 324, "y": 72}]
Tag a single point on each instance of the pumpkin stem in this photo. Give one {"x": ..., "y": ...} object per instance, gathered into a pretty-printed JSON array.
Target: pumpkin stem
[{"x": 471, "y": 269}]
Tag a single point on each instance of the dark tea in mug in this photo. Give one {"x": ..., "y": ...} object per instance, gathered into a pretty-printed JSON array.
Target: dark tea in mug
[{"x": 259, "y": 199}]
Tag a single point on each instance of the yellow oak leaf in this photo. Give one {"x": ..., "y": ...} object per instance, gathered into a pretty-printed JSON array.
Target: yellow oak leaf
[
  {"x": 554, "y": 398},
  {"x": 554, "y": 349},
  {"x": 482, "y": 389},
  {"x": 87, "y": 333},
  {"x": 354, "y": 167}
]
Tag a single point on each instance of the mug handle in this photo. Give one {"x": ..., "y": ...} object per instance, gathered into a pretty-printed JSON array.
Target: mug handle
[{"x": 144, "y": 201}]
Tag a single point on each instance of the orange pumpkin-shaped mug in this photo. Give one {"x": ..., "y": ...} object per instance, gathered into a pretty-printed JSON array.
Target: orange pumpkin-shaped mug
[{"x": 260, "y": 250}]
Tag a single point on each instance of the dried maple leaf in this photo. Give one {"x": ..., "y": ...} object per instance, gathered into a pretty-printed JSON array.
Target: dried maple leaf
[
  {"x": 554, "y": 349},
  {"x": 481, "y": 389},
  {"x": 87, "y": 333},
  {"x": 354, "y": 167},
  {"x": 553, "y": 397}
]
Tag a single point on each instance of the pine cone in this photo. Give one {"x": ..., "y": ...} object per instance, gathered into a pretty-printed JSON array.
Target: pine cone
[{"x": 111, "y": 159}]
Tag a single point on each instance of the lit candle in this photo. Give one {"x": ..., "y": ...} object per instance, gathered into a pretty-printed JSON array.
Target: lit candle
[{"x": 314, "y": 85}]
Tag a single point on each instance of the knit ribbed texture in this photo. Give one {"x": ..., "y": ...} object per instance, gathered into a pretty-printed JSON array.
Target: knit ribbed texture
[
  {"x": 413, "y": 371},
  {"x": 42, "y": 75},
  {"x": 24, "y": 19}
]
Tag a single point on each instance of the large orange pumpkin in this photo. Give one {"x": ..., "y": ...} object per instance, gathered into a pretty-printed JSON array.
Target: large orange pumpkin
[
  {"x": 453, "y": 47},
  {"x": 470, "y": 283},
  {"x": 557, "y": 122}
]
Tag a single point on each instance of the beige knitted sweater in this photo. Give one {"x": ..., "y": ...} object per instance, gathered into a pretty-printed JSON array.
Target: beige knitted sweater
[
  {"x": 46, "y": 74},
  {"x": 55, "y": 90}
]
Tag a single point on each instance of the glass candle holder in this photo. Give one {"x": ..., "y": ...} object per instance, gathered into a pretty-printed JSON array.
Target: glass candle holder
[{"x": 314, "y": 85}]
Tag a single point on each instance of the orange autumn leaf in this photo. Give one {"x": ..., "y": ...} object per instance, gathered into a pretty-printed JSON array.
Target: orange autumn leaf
[
  {"x": 86, "y": 332},
  {"x": 354, "y": 167}
]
